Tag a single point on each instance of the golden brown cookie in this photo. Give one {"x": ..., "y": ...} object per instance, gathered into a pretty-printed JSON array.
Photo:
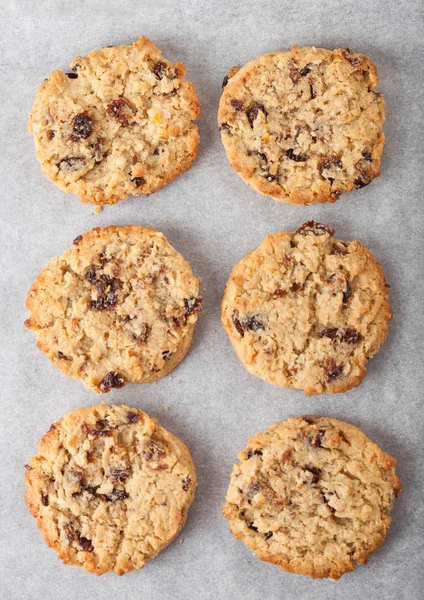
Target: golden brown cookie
[
  {"x": 307, "y": 311},
  {"x": 304, "y": 125},
  {"x": 312, "y": 495},
  {"x": 109, "y": 488},
  {"x": 120, "y": 123},
  {"x": 119, "y": 307}
]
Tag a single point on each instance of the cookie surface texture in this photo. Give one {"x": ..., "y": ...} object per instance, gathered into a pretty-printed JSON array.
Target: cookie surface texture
[
  {"x": 307, "y": 311},
  {"x": 305, "y": 125},
  {"x": 312, "y": 495},
  {"x": 119, "y": 307},
  {"x": 120, "y": 123},
  {"x": 109, "y": 488}
]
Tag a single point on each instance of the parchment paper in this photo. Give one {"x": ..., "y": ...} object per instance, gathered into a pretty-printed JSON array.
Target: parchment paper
[{"x": 213, "y": 219}]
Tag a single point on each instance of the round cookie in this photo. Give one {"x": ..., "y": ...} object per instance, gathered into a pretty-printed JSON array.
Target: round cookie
[
  {"x": 306, "y": 311},
  {"x": 312, "y": 495},
  {"x": 109, "y": 488},
  {"x": 303, "y": 126},
  {"x": 119, "y": 307},
  {"x": 120, "y": 123}
]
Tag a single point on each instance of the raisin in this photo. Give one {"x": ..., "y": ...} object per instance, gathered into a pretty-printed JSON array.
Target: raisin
[
  {"x": 141, "y": 338},
  {"x": 138, "y": 181},
  {"x": 112, "y": 380},
  {"x": 51, "y": 135},
  {"x": 90, "y": 431},
  {"x": 254, "y": 453},
  {"x": 71, "y": 164},
  {"x": 347, "y": 293},
  {"x": 237, "y": 323},
  {"x": 224, "y": 127},
  {"x": 119, "y": 474},
  {"x": 247, "y": 324},
  {"x": 224, "y": 81},
  {"x": 252, "y": 114},
  {"x": 332, "y": 370},
  {"x": 28, "y": 467},
  {"x": 98, "y": 152},
  {"x": 102, "y": 423},
  {"x": 362, "y": 182},
  {"x": 82, "y": 127},
  {"x": 285, "y": 457},
  {"x": 237, "y": 105},
  {"x": 159, "y": 69},
  {"x": 77, "y": 240},
  {"x": 62, "y": 356},
  {"x": 252, "y": 490},
  {"x": 193, "y": 305},
  {"x": 316, "y": 473},
  {"x": 354, "y": 60},
  {"x": 153, "y": 451},
  {"x": 296, "y": 287},
  {"x": 166, "y": 355},
  {"x": 104, "y": 302},
  {"x": 330, "y": 332},
  {"x": 252, "y": 527},
  {"x": 305, "y": 70},
  {"x": 268, "y": 535},
  {"x": 332, "y": 162},
  {"x": 313, "y": 91},
  {"x": 120, "y": 110},
  {"x": 85, "y": 544},
  {"x": 252, "y": 324},
  {"x": 133, "y": 417},
  {"x": 350, "y": 336},
  {"x": 337, "y": 249},
  {"x": 72, "y": 75},
  {"x": 317, "y": 439},
  {"x": 279, "y": 293},
  {"x": 294, "y": 73},
  {"x": 186, "y": 483},
  {"x": 367, "y": 156},
  {"x": 336, "y": 194},
  {"x": 296, "y": 157},
  {"x": 116, "y": 495},
  {"x": 314, "y": 228},
  {"x": 91, "y": 275},
  {"x": 44, "y": 499},
  {"x": 105, "y": 287}
]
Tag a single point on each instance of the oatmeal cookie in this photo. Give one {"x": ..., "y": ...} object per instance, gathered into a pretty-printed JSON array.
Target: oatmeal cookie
[
  {"x": 120, "y": 123},
  {"x": 307, "y": 311},
  {"x": 119, "y": 307},
  {"x": 312, "y": 495},
  {"x": 305, "y": 125},
  {"x": 109, "y": 488}
]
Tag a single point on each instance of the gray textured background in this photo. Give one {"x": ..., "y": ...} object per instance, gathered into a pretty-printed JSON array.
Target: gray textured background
[{"x": 213, "y": 218}]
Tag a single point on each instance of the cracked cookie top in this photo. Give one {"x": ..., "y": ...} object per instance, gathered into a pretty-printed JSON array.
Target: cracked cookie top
[
  {"x": 304, "y": 126},
  {"x": 312, "y": 495},
  {"x": 307, "y": 311},
  {"x": 119, "y": 307},
  {"x": 120, "y": 123},
  {"x": 109, "y": 488}
]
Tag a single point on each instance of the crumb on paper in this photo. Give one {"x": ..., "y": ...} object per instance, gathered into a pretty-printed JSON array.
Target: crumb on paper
[
  {"x": 179, "y": 381},
  {"x": 181, "y": 540},
  {"x": 97, "y": 210},
  {"x": 166, "y": 408}
]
